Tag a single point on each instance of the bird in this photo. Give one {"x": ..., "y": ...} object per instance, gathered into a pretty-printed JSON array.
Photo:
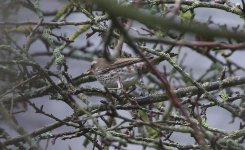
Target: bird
[{"x": 121, "y": 72}]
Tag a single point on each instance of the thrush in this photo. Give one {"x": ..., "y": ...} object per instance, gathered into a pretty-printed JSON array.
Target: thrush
[{"x": 121, "y": 72}]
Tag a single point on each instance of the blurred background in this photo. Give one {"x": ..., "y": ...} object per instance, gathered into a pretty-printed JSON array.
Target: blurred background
[{"x": 79, "y": 62}]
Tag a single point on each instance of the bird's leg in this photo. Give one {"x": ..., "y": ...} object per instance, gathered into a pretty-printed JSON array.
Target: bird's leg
[
  {"x": 125, "y": 93},
  {"x": 142, "y": 85},
  {"x": 131, "y": 90},
  {"x": 119, "y": 86}
]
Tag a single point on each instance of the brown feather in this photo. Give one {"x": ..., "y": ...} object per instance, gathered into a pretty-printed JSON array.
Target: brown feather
[{"x": 104, "y": 65}]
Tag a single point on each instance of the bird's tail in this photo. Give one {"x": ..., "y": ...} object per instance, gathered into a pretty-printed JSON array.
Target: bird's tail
[{"x": 154, "y": 61}]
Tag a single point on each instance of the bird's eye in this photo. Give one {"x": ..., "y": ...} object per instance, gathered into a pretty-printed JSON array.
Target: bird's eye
[{"x": 93, "y": 64}]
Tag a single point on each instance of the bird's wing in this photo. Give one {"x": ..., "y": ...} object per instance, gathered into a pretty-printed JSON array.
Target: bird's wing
[{"x": 121, "y": 63}]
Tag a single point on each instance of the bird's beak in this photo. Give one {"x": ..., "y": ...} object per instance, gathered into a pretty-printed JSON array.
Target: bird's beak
[{"x": 89, "y": 72}]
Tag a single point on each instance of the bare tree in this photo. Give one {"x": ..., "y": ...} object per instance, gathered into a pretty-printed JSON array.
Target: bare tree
[{"x": 47, "y": 57}]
